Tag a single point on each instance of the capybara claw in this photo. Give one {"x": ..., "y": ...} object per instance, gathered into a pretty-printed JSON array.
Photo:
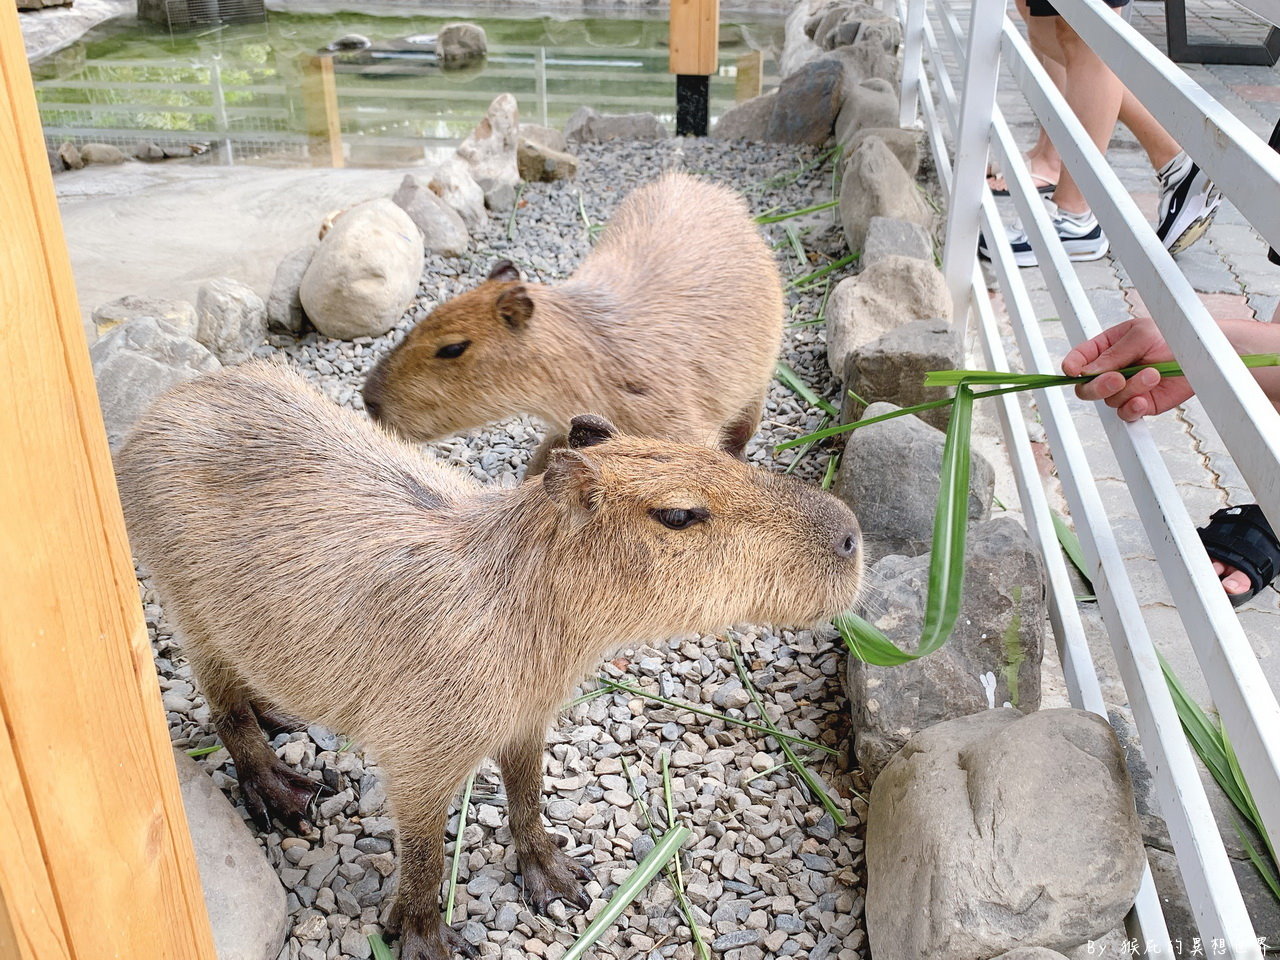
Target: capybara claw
[
  {"x": 442, "y": 943},
  {"x": 276, "y": 791},
  {"x": 551, "y": 875}
]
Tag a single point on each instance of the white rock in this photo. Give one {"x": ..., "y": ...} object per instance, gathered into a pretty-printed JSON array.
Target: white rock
[
  {"x": 231, "y": 319},
  {"x": 452, "y": 182},
  {"x": 490, "y": 152},
  {"x": 177, "y": 314},
  {"x": 443, "y": 231},
  {"x": 284, "y": 307}
]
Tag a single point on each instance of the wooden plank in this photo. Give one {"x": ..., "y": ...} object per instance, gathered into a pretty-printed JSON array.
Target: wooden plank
[
  {"x": 750, "y": 81},
  {"x": 320, "y": 109},
  {"x": 79, "y": 702},
  {"x": 695, "y": 37}
]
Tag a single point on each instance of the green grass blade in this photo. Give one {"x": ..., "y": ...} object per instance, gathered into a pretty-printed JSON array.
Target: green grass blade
[
  {"x": 868, "y": 644},
  {"x": 515, "y": 208},
  {"x": 1071, "y": 545},
  {"x": 379, "y": 947},
  {"x": 829, "y": 477},
  {"x": 779, "y": 217},
  {"x": 811, "y": 278},
  {"x": 950, "y": 525},
  {"x": 636, "y": 692},
  {"x": 791, "y": 380},
  {"x": 797, "y": 247},
  {"x": 804, "y": 451},
  {"x": 203, "y": 751},
  {"x": 1264, "y": 869},
  {"x": 457, "y": 849},
  {"x": 588, "y": 696},
  {"x": 640, "y": 878},
  {"x": 951, "y": 378}
]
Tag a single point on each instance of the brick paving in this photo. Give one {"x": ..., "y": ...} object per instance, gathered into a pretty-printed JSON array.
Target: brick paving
[{"x": 1230, "y": 271}]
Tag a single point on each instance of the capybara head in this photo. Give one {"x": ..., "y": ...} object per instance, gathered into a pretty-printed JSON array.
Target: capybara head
[
  {"x": 446, "y": 375},
  {"x": 679, "y": 527}
]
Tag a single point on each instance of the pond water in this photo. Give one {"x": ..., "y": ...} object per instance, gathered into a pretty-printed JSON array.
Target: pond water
[{"x": 240, "y": 88}]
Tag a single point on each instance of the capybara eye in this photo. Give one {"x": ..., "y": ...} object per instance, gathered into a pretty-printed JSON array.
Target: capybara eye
[
  {"x": 451, "y": 351},
  {"x": 678, "y": 519}
]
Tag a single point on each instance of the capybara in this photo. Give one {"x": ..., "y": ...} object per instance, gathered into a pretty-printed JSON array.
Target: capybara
[
  {"x": 316, "y": 566},
  {"x": 669, "y": 328}
]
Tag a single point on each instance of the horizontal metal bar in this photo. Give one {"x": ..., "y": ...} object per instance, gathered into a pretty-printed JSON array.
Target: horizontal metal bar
[{"x": 279, "y": 113}]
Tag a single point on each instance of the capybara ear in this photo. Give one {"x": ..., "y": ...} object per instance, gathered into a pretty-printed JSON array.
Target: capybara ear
[
  {"x": 572, "y": 479},
  {"x": 586, "y": 430},
  {"x": 515, "y": 307},
  {"x": 504, "y": 271}
]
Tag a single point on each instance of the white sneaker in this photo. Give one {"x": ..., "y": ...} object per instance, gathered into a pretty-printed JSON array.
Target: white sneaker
[
  {"x": 1188, "y": 203},
  {"x": 1080, "y": 233}
]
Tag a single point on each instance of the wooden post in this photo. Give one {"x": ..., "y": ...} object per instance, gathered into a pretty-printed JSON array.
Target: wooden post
[
  {"x": 95, "y": 856},
  {"x": 695, "y": 40},
  {"x": 750, "y": 81},
  {"x": 320, "y": 109}
]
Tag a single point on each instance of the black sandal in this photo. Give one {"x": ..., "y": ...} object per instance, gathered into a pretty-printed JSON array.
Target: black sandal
[{"x": 1241, "y": 537}]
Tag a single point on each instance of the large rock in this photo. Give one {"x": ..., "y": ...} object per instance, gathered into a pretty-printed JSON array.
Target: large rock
[
  {"x": 544, "y": 136},
  {"x": 461, "y": 45},
  {"x": 443, "y": 231},
  {"x": 587, "y": 126},
  {"x": 997, "y": 831},
  {"x": 798, "y": 47},
  {"x": 243, "y": 894},
  {"x": 875, "y": 185},
  {"x": 872, "y": 103},
  {"x": 889, "y": 477},
  {"x": 1031, "y": 953},
  {"x": 231, "y": 319},
  {"x": 892, "y": 368},
  {"x": 862, "y": 61},
  {"x": 364, "y": 273},
  {"x": 538, "y": 162},
  {"x": 137, "y": 361},
  {"x": 887, "y": 237},
  {"x": 904, "y": 144},
  {"x": 452, "y": 182},
  {"x": 806, "y": 104},
  {"x": 69, "y": 154},
  {"x": 148, "y": 150},
  {"x": 178, "y": 315},
  {"x": 490, "y": 152},
  {"x": 748, "y": 120},
  {"x": 992, "y": 658},
  {"x": 284, "y": 305},
  {"x": 102, "y": 153},
  {"x": 889, "y": 293}
]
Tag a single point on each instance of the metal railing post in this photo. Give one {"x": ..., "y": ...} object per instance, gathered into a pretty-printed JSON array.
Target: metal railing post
[
  {"x": 977, "y": 102},
  {"x": 912, "y": 62}
]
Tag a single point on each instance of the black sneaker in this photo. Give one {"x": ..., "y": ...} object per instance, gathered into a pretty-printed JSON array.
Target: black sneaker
[
  {"x": 1080, "y": 233},
  {"x": 1188, "y": 203}
]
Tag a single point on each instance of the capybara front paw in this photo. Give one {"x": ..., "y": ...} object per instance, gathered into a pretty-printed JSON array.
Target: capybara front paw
[
  {"x": 274, "y": 790},
  {"x": 438, "y": 943},
  {"x": 550, "y": 874}
]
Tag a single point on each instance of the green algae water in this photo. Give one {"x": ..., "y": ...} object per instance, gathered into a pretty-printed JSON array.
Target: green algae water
[{"x": 239, "y": 88}]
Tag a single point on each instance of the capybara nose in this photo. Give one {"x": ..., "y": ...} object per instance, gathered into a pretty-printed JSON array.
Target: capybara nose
[{"x": 846, "y": 544}]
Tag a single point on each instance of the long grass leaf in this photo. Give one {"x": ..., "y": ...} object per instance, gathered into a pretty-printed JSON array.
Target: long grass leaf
[
  {"x": 829, "y": 477},
  {"x": 779, "y": 217},
  {"x": 636, "y": 692},
  {"x": 797, "y": 247},
  {"x": 203, "y": 751},
  {"x": 950, "y": 525},
  {"x": 1071, "y": 545},
  {"x": 631, "y": 888},
  {"x": 515, "y": 208},
  {"x": 379, "y": 947},
  {"x": 1264, "y": 869},
  {"x": 457, "y": 849},
  {"x": 804, "y": 451},
  {"x": 791, "y": 380},
  {"x": 951, "y": 378},
  {"x": 811, "y": 278}
]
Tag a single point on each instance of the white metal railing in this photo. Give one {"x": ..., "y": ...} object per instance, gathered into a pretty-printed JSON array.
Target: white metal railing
[{"x": 1249, "y": 173}]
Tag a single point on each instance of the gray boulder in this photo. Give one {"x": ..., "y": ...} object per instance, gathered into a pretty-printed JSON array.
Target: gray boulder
[
  {"x": 490, "y": 152},
  {"x": 798, "y": 47},
  {"x": 992, "y": 658},
  {"x": 875, "y": 185},
  {"x": 889, "y": 477},
  {"x": 887, "y": 237},
  {"x": 587, "y": 126},
  {"x": 872, "y": 103},
  {"x": 862, "y": 61},
  {"x": 1031, "y": 953},
  {"x": 365, "y": 272},
  {"x": 964, "y": 824},
  {"x": 806, "y": 104},
  {"x": 904, "y": 144},
  {"x": 545, "y": 136},
  {"x": 102, "y": 153},
  {"x": 540, "y": 163},
  {"x": 892, "y": 368},
  {"x": 148, "y": 150},
  {"x": 231, "y": 320},
  {"x": 69, "y": 154},
  {"x": 135, "y": 362},
  {"x": 461, "y": 45},
  {"x": 284, "y": 305},
  {"x": 452, "y": 182},
  {"x": 889, "y": 293},
  {"x": 443, "y": 231},
  {"x": 242, "y": 892},
  {"x": 748, "y": 120},
  {"x": 178, "y": 315}
]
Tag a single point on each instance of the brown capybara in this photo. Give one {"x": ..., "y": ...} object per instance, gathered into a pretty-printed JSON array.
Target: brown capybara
[
  {"x": 318, "y": 567},
  {"x": 669, "y": 328}
]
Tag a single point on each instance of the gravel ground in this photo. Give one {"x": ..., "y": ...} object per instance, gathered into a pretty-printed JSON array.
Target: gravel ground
[{"x": 768, "y": 872}]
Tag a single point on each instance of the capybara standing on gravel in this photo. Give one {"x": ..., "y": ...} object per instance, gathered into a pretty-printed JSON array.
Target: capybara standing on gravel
[
  {"x": 670, "y": 328},
  {"x": 317, "y": 566}
]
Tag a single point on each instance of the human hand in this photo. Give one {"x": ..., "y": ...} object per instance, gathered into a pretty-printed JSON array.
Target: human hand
[{"x": 1124, "y": 345}]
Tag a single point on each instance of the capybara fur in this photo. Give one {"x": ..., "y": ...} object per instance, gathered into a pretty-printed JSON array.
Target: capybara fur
[
  {"x": 669, "y": 328},
  {"x": 319, "y": 567}
]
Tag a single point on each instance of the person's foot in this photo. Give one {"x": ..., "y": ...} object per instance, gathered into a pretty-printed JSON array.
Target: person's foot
[
  {"x": 1188, "y": 203},
  {"x": 1080, "y": 234},
  {"x": 1043, "y": 177},
  {"x": 1244, "y": 549}
]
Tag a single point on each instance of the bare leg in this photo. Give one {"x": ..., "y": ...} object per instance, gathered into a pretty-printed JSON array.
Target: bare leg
[
  {"x": 1094, "y": 94},
  {"x": 548, "y": 873},
  {"x": 416, "y": 914},
  {"x": 269, "y": 787}
]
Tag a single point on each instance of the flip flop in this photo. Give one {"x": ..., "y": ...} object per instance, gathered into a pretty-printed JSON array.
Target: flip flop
[
  {"x": 1045, "y": 188},
  {"x": 1241, "y": 537}
]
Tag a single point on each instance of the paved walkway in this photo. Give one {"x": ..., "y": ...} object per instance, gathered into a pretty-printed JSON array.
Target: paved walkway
[{"x": 1229, "y": 269}]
